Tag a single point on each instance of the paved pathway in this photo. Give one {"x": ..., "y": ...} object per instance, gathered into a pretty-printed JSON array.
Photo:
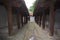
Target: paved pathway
[{"x": 31, "y": 31}]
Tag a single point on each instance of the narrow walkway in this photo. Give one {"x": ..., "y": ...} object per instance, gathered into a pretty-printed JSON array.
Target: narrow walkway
[{"x": 31, "y": 31}]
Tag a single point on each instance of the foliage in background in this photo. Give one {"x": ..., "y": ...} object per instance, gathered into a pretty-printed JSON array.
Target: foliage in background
[{"x": 32, "y": 7}]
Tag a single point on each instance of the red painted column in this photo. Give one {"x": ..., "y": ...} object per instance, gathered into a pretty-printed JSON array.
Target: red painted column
[
  {"x": 9, "y": 15},
  {"x": 51, "y": 20}
]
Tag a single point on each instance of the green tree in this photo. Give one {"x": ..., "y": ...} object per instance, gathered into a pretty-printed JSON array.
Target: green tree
[{"x": 32, "y": 7}]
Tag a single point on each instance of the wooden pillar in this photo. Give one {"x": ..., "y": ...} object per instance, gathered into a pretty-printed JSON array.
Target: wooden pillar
[
  {"x": 22, "y": 20},
  {"x": 39, "y": 20},
  {"x": 51, "y": 20},
  {"x": 26, "y": 19},
  {"x": 35, "y": 18},
  {"x": 18, "y": 20},
  {"x": 43, "y": 19},
  {"x": 9, "y": 15}
]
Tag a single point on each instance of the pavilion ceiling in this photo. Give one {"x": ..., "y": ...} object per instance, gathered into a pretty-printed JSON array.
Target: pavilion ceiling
[
  {"x": 19, "y": 4},
  {"x": 42, "y": 4}
]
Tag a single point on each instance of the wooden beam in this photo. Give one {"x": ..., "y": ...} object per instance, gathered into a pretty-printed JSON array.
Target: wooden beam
[
  {"x": 51, "y": 20},
  {"x": 9, "y": 15}
]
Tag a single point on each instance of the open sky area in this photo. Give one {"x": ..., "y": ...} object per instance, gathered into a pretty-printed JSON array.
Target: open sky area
[{"x": 29, "y": 3}]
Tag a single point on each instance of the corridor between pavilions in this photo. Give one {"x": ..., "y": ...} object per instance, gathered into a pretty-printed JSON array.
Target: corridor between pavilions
[{"x": 25, "y": 26}]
